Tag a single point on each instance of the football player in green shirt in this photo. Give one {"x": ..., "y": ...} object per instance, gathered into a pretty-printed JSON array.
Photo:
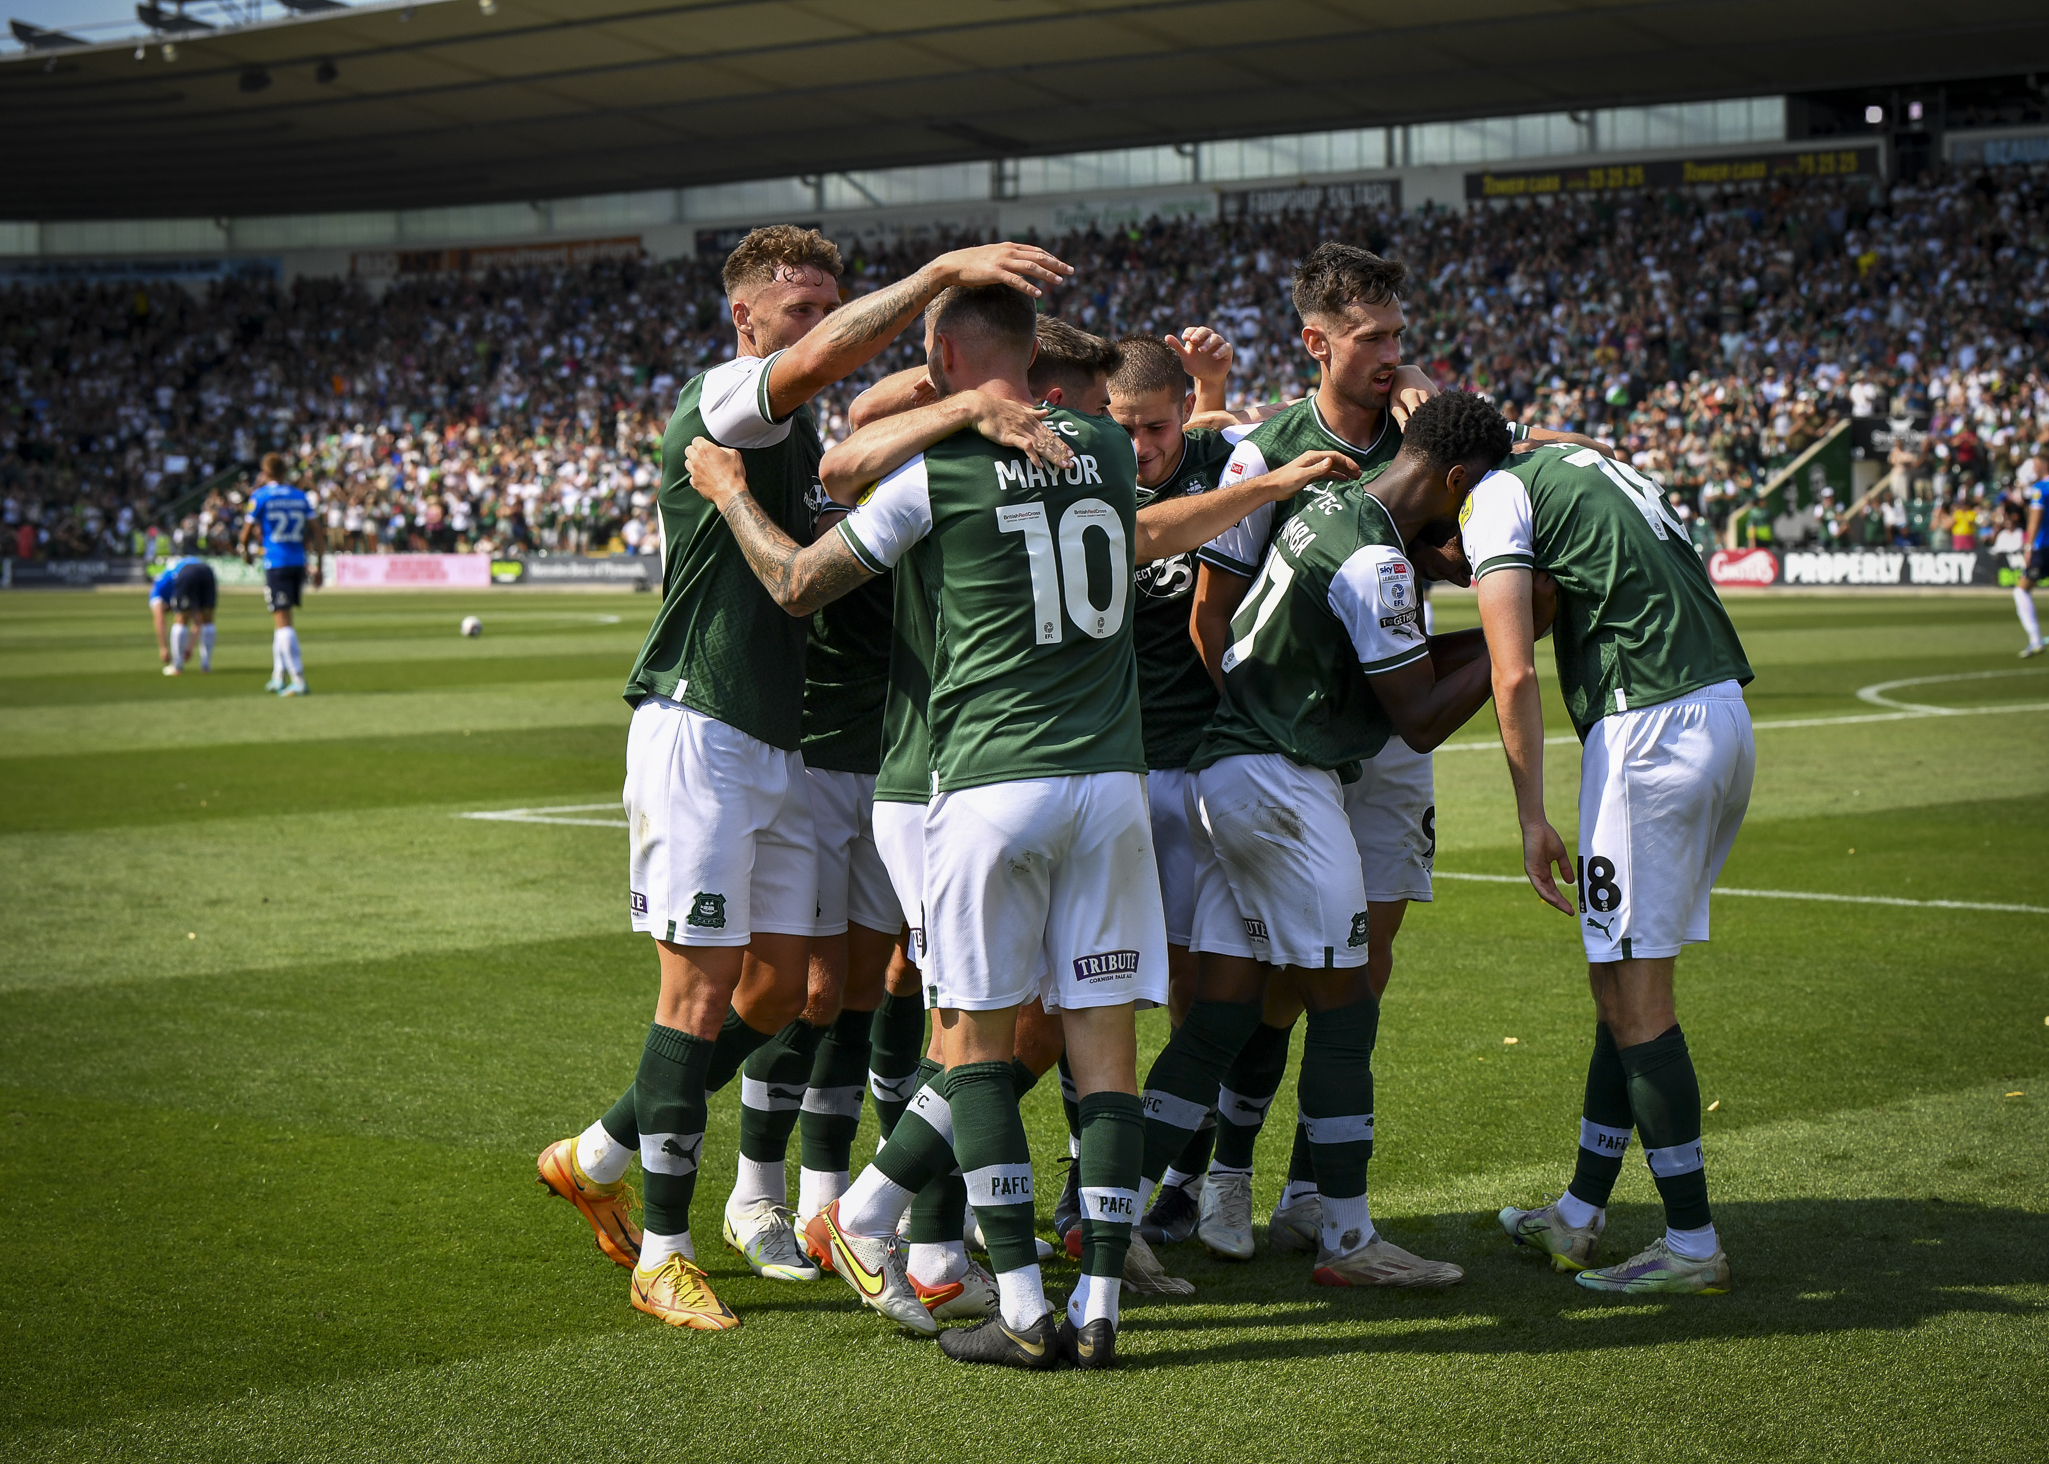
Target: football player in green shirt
[
  {"x": 722, "y": 864},
  {"x": 1651, "y": 670}
]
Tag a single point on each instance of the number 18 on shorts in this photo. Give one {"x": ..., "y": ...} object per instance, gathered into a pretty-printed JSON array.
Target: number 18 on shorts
[{"x": 1662, "y": 794}]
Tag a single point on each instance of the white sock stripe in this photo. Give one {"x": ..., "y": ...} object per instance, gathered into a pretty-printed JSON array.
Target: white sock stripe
[
  {"x": 1067, "y": 1089},
  {"x": 839, "y": 1102},
  {"x": 769, "y": 1097},
  {"x": 1164, "y": 1107},
  {"x": 1609, "y": 1143},
  {"x": 1243, "y": 1111},
  {"x": 1000, "y": 1184},
  {"x": 892, "y": 1090},
  {"x": 1117, "y": 1206},
  {"x": 670, "y": 1153},
  {"x": 1350, "y": 1128},
  {"x": 1679, "y": 1159},
  {"x": 934, "y": 1110}
]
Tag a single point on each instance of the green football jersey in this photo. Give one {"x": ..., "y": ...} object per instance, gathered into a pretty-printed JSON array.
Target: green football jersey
[
  {"x": 1638, "y": 620},
  {"x": 1334, "y": 603},
  {"x": 1030, "y": 576},
  {"x": 719, "y": 644},
  {"x": 1275, "y": 443},
  {"x": 846, "y": 680},
  {"x": 906, "y": 772},
  {"x": 1175, "y": 694}
]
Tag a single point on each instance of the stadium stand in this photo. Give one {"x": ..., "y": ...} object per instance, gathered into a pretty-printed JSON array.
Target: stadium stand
[{"x": 1715, "y": 334}]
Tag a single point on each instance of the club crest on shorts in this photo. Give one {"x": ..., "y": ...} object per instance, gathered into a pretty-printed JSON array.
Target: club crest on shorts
[
  {"x": 707, "y": 911},
  {"x": 1106, "y": 966},
  {"x": 1358, "y": 936}
]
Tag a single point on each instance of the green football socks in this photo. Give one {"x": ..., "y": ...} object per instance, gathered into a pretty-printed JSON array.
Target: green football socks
[
  {"x": 1604, "y": 1124},
  {"x": 896, "y": 1041},
  {"x": 669, "y": 1107},
  {"x": 1664, "y": 1098},
  {"x": 1247, "y": 1092}
]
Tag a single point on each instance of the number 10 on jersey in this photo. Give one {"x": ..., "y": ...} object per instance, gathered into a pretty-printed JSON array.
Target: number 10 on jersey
[{"x": 1068, "y": 581}]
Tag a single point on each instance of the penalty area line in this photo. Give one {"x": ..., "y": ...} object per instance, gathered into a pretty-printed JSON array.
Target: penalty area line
[{"x": 1804, "y": 895}]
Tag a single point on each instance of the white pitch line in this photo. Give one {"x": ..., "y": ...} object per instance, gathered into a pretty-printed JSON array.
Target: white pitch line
[
  {"x": 544, "y": 815},
  {"x": 1920, "y": 715},
  {"x": 1875, "y": 693},
  {"x": 1804, "y": 895}
]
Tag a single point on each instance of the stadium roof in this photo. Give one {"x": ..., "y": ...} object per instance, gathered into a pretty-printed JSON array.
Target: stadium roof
[{"x": 408, "y": 106}]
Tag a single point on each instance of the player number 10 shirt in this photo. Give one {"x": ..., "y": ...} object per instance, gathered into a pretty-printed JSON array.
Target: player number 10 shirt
[
  {"x": 1029, "y": 575},
  {"x": 1638, "y": 619}
]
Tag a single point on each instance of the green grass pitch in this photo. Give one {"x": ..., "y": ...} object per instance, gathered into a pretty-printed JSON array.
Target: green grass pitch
[{"x": 280, "y": 1035}]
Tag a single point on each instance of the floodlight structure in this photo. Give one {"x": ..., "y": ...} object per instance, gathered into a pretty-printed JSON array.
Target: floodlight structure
[
  {"x": 171, "y": 22},
  {"x": 37, "y": 38}
]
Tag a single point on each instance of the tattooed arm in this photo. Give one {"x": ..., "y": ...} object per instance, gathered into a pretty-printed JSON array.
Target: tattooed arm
[
  {"x": 856, "y": 333},
  {"x": 796, "y": 578}
]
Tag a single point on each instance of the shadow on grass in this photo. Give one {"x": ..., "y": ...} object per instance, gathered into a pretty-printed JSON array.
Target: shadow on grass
[{"x": 1801, "y": 1267}]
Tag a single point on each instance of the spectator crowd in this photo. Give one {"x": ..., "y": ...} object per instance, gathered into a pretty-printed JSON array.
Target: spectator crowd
[{"x": 1714, "y": 335}]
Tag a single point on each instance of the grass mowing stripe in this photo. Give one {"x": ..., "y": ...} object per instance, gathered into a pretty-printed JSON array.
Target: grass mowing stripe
[
  {"x": 1785, "y": 895},
  {"x": 1857, "y": 1261},
  {"x": 128, "y": 726}
]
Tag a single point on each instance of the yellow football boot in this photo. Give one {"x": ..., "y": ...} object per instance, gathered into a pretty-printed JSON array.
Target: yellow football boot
[
  {"x": 608, "y": 1207},
  {"x": 678, "y": 1293}
]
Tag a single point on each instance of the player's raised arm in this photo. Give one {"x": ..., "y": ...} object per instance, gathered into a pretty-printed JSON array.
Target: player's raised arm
[
  {"x": 1182, "y": 525},
  {"x": 886, "y": 444},
  {"x": 897, "y": 392},
  {"x": 854, "y": 334},
  {"x": 1206, "y": 356},
  {"x": 797, "y": 578}
]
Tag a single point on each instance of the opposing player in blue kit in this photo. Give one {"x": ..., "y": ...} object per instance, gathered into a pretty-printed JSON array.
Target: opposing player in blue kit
[
  {"x": 182, "y": 599},
  {"x": 281, "y": 518}
]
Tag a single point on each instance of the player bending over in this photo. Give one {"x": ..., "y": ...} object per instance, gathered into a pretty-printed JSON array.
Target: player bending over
[
  {"x": 1327, "y": 662},
  {"x": 185, "y": 593},
  {"x": 1651, "y": 672},
  {"x": 281, "y": 518},
  {"x": 722, "y": 865}
]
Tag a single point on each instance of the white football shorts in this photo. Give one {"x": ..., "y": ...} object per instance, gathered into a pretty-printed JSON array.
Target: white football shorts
[
  {"x": 1043, "y": 887},
  {"x": 1393, "y": 813},
  {"x": 719, "y": 831},
  {"x": 900, "y": 844},
  {"x": 1662, "y": 792},
  {"x": 1166, "y": 794},
  {"x": 1277, "y": 873},
  {"x": 852, "y": 884}
]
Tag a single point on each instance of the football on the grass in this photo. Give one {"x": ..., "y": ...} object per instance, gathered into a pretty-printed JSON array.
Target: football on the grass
[{"x": 471, "y": 626}]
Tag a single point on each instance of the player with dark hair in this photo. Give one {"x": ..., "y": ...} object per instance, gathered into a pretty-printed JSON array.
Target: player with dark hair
[
  {"x": 722, "y": 868},
  {"x": 1071, "y": 368},
  {"x": 1652, "y": 673},
  {"x": 1327, "y": 663},
  {"x": 282, "y": 520},
  {"x": 185, "y": 594}
]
